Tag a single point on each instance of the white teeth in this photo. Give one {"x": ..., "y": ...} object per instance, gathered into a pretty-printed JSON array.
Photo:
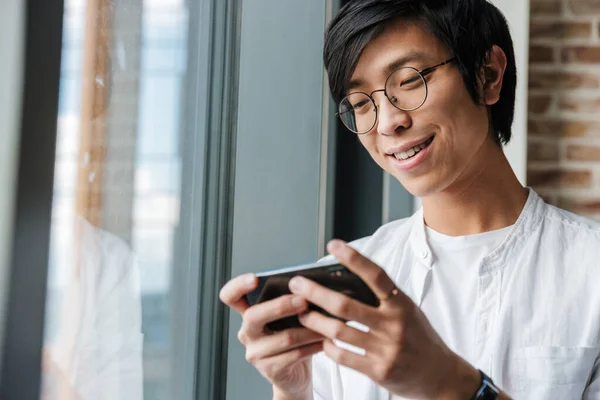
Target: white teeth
[{"x": 411, "y": 152}]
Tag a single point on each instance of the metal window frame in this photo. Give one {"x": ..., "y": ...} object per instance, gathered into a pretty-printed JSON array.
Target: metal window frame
[
  {"x": 24, "y": 324},
  {"x": 397, "y": 201},
  {"x": 203, "y": 237}
]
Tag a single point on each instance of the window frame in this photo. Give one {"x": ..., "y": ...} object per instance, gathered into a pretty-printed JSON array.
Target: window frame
[
  {"x": 203, "y": 237},
  {"x": 20, "y": 377}
]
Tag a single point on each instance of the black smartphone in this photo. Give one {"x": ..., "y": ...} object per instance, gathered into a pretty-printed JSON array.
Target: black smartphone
[{"x": 335, "y": 276}]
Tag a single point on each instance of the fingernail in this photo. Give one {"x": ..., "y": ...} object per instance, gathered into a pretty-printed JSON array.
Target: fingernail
[
  {"x": 296, "y": 283},
  {"x": 297, "y": 301},
  {"x": 249, "y": 280}
]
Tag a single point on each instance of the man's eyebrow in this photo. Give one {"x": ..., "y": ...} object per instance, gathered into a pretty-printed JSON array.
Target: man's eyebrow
[{"x": 391, "y": 67}]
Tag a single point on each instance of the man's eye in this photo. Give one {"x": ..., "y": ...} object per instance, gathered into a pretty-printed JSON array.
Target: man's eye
[
  {"x": 411, "y": 82},
  {"x": 360, "y": 104}
]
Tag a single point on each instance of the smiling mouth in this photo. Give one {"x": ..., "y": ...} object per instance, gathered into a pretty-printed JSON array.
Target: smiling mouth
[{"x": 410, "y": 153}]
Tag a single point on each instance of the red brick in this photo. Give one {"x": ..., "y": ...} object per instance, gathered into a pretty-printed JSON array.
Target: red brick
[
  {"x": 556, "y": 178},
  {"x": 586, "y": 206},
  {"x": 539, "y": 104},
  {"x": 580, "y": 104},
  {"x": 563, "y": 128},
  {"x": 562, "y": 80},
  {"x": 541, "y": 54},
  {"x": 542, "y": 151},
  {"x": 584, "y": 7},
  {"x": 559, "y": 29},
  {"x": 581, "y": 54},
  {"x": 545, "y": 7},
  {"x": 583, "y": 153}
]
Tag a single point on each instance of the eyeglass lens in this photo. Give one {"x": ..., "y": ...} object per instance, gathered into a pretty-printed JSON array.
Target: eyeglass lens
[{"x": 405, "y": 89}]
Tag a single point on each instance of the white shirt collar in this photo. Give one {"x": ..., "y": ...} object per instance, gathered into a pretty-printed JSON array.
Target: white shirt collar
[{"x": 528, "y": 219}]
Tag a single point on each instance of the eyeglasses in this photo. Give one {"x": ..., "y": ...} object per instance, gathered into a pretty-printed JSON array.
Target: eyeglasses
[{"x": 405, "y": 88}]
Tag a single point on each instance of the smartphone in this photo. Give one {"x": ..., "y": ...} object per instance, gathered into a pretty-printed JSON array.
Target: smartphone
[{"x": 335, "y": 276}]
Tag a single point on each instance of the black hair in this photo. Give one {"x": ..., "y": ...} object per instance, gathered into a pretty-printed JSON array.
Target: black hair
[{"x": 469, "y": 28}]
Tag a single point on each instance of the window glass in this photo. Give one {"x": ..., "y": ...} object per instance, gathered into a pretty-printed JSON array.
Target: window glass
[{"x": 109, "y": 331}]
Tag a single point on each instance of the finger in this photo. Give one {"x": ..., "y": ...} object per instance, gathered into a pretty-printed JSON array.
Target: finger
[
  {"x": 256, "y": 317},
  {"x": 234, "y": 292},
  {"x": 333, "y": 302},
  {"x": 374, "y": 276},
  {"x": 333, "y": 328},
  {"x": 270, "y": 367},
  {"x": 281, "y": 342}
]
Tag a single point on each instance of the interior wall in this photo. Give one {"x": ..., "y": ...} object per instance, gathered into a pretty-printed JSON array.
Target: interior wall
[{"x": 517, "y": 14}]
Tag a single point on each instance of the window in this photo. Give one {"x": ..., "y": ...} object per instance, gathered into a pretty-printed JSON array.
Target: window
[{"x": 122, "y": 309}]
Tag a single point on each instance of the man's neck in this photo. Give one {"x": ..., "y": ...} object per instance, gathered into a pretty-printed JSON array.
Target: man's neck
[{"x": 487, "y": 197}]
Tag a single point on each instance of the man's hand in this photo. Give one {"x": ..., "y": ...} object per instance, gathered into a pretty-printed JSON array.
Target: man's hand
[
  {"x": 404, "y": 354},
  {"x": 284, "y": 358}
]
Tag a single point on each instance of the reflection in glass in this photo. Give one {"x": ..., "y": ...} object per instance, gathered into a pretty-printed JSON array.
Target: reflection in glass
[{"x": 116, "y": 203}]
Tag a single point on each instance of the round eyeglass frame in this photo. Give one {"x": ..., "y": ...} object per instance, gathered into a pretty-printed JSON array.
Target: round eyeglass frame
[{"x": 422, "y": 73}]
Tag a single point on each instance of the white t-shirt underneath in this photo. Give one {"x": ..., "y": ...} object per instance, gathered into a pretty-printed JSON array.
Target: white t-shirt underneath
[{"x": 451, "y": 291}]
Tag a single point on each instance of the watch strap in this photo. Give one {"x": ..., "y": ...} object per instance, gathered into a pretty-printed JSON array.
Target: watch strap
[{"x": 487, "y": 390}]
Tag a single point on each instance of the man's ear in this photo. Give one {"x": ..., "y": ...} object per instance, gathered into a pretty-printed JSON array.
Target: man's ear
[{"x": 493, "y": 75}]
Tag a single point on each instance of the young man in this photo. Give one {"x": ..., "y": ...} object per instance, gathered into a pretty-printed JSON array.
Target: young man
[{"x": 485, "y": 280}]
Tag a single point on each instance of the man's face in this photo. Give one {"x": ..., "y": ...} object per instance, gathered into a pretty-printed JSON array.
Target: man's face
[{"x": 458, "y": 127}]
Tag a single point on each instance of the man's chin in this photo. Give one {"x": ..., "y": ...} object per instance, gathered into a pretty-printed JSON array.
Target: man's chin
[{"x": 422, "y": 186}]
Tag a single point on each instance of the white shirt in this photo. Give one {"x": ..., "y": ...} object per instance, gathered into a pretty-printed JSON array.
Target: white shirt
[
  {"x": 453, "y": 282},
  {"x": 100, "y": 342},
  {"x": 534, "y": 299}
]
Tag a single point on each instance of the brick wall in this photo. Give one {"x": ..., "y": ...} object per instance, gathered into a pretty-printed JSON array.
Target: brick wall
[{"x": 564, "y": 104}]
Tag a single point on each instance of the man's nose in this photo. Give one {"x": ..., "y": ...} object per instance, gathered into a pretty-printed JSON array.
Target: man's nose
[{"x": 391, "y": 120}]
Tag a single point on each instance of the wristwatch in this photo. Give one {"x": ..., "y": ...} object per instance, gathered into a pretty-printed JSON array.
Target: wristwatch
[{"x": 487, "y": 390}]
